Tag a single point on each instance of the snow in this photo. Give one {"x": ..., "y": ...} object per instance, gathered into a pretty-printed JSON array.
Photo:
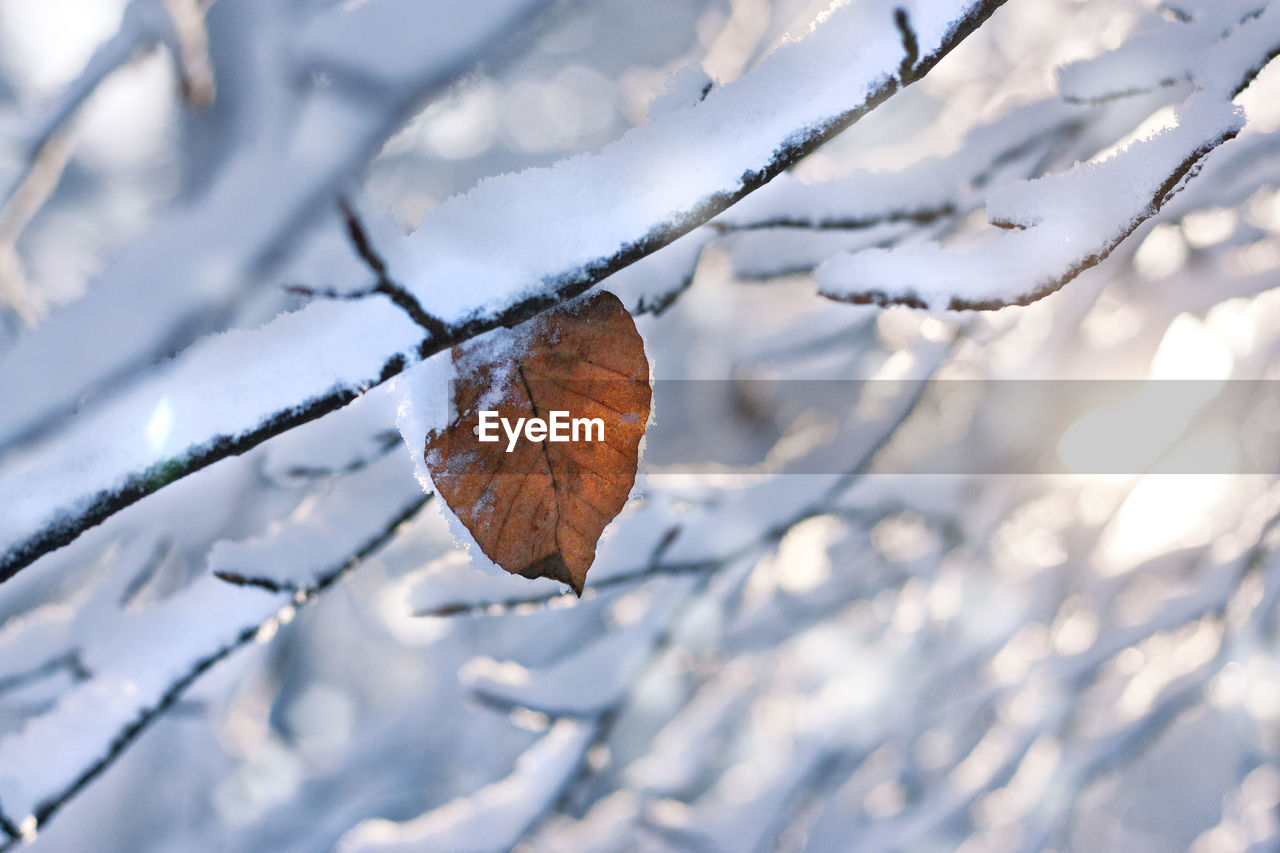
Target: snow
[
  {"x": 324, "y": 348},
  {"x": 771, "y": 252},
  {"x": 138, "y": 644},
  {"x": 514, "y": 236},
  {"x": 930, "y": 188},
  {"x": 300, "y": 550},
  {"x": 1053, "y": 226},
  {"x": 651, "y": 281},
  {"x": 132, "y": 672},
  {"x": 678, "y": 521},
  {"x": 791, "y": 225},
  {"x": 683, "y": 88},
  {"x": 494, "y": 818},
  {"x": 593, "y": 680},
  {"x": 1068, "y": 220},
  {"x": 421, "y": 397},
  {"x": 1169, "y": 53},
  {"x": 333, "y": 445},
  {"x": 865, "y": 199},
  {"x": 508, "y": 239},
  {"x": 199, "y": 258},
  {"x": 732, "y": 821},
  {"x": 451, "y": 585},
  {"x": 686, "y": 745}
]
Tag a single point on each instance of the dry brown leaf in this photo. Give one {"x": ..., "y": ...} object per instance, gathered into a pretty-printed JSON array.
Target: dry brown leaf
[{"x": 539, "y": 509}]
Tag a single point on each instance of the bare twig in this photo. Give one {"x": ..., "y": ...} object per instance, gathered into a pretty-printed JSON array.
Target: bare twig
[{"x": 434, "y": 326}]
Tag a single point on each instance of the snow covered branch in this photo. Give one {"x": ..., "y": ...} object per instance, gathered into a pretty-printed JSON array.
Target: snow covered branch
[
  {"x": 467, "y": 269},
  {"x": 1049, "y": 230},
  {"x": 120, "y": 648}
]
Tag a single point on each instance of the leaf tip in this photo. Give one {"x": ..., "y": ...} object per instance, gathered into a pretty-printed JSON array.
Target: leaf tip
[{"x": 553, "y": 566}]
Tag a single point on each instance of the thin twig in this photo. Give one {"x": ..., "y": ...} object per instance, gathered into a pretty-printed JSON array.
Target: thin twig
[{"x": 434, "y": 326}]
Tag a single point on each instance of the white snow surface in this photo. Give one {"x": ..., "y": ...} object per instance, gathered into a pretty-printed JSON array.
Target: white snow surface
[
  {"x": 207, "y": 393},
  {"x": 773, "y": 646},
  {"x": 1067, "y": 221},
  {"x": 493, "y": 818},
  {"x": 513, "y": 236},
  {"x": 131, "y": 670},
  {"x": 684, "y": 88},
  {"x": 1171, "y": 52},
  {"x": 646, "y": 283},
  {"x": 300, "y": 550},
  {"x": 1054, "y": 225}
]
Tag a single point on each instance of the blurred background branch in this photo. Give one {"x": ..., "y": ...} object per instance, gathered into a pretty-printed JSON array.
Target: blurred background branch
[{"x": 802, "y": 638}]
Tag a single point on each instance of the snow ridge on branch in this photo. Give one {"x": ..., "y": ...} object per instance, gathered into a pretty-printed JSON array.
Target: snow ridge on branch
[
  {"x": 334, "y": 353},
  {"x": 1050, "y": 230}
]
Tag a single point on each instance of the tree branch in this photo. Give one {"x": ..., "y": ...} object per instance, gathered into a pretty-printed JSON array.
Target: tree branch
[
  {"x": 431, "y": 324},
  {"x": 127, "y": 736},
  {"x": 101, "y": 493},
  {"x": 188, "y": 274},
  {"x": 1066, "y": 223}
]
